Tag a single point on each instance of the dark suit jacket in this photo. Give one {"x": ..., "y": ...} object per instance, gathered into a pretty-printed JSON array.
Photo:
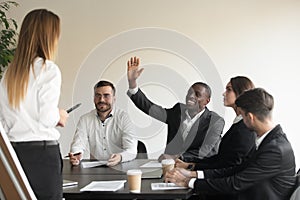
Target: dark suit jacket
[
  {"x": 269, "y": 174},
  {"x": 203, "y": 138},
  {"x": 236, "y": 146}
]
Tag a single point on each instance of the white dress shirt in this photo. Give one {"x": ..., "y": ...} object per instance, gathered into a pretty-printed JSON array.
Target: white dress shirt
[
  {"x": 188, "y": 123},
  {"x": 259, "y": 140},
  {"x": 38, "y": 114},
  {"x": 96, "y": 139}
]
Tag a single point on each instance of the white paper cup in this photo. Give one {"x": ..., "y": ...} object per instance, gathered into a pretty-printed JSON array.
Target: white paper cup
[
  {"x": 134, "y": 177},
  {"x": 167, "y": 165}
]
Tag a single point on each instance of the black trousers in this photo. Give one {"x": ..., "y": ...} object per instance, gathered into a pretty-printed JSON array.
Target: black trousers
[{"x": 42, "y": 165}]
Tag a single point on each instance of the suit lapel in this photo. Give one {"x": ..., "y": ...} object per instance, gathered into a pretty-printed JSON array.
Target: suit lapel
[{"x": 276, "y": 130}]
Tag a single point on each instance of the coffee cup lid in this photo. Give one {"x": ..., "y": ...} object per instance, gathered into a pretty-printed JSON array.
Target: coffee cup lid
[
  {"x": 134, "y": 172},
  {"x": 167, "y": 161}
]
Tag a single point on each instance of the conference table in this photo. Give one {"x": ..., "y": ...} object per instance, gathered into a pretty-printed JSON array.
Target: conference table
[{"x": 103, "y": 173}]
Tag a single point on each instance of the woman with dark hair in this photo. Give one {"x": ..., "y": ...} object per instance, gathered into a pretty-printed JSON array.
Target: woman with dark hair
[{"x": 29, "y": 93}]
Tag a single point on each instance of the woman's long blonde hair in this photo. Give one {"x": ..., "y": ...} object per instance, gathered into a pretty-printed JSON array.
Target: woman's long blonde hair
[{"x": 38, "y": 37}]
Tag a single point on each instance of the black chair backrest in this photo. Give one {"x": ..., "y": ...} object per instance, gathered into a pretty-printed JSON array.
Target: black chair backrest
[
  {"x": 142, "y": 151},
  {"x": 298, "y": 178}
]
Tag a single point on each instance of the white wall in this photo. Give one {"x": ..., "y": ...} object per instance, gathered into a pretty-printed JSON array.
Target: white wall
[{"x": 192, "y": 40}]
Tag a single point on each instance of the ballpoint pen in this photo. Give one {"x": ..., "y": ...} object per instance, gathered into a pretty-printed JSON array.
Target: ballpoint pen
[
  {"x": 73, "y": 108},
  {"x": 75, "y": 154}
]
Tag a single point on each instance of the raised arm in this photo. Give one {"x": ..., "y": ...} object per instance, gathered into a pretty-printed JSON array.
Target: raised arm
[
  {"x": 138, "y": 97},
  {"x": 133, "y": 71}
]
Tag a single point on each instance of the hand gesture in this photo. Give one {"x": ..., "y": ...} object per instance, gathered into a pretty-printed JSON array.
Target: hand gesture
[{"x": 133, "y": 71}]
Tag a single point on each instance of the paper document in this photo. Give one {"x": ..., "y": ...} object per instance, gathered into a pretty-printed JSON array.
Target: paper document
[
  {"x": 93, "y": 164},
  {"x": 166, "y": 186},
  {"x": 67, "y": 183},
  {"x": 151, "y": 164},
  {"x": 104, "y": 186}
]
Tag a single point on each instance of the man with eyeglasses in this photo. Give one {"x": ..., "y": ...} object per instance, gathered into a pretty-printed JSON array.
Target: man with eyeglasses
[{"x": 105, "y": 133}]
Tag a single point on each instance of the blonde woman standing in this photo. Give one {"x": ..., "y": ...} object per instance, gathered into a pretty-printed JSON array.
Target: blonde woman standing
[{"x": 29, "y": 93}]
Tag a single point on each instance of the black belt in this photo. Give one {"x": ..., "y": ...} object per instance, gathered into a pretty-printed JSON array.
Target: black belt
[{"x": 36, "y": 143}]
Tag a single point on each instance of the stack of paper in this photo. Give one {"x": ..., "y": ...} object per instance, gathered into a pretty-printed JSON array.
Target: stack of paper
[
  {"x": 67, "y": 183},
  {"x": 166, "y": 186},
  {"x": 89, "y": 164},
  {"x": 104, "y": 186}
]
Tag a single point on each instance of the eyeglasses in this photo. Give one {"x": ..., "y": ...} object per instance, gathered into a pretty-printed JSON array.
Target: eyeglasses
[{"x": 104, "y": 96}]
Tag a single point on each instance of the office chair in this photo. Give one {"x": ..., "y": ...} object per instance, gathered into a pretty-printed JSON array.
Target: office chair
[
  {"x": 142, "y": 151},
  {"x": 296, "y": 193}
]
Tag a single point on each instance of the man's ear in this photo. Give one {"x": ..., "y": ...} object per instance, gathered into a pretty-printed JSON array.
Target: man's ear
[
  {"x": 251, "y": 116},
  {"x": 207, "y": 101}
]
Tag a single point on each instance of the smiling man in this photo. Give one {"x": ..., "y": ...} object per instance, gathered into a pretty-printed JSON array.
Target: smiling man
[
  {"x": 193, "y": 130},
  {"x": 105, "y": 133}
]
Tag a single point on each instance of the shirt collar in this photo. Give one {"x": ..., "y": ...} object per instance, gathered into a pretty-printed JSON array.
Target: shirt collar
[
  {"x": 237, "y": 119},
  {"x": 111, "y": 114},
  {"x": 196, "y": 116},
  {"x": 259, "y": 140}
]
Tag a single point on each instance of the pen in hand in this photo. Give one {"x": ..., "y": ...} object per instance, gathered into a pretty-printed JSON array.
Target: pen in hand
[
  {"x": 73, "y": 108},
  {"x": 75, "y": 154}
]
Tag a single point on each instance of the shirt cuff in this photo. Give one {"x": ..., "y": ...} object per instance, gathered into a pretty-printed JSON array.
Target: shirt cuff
[
  {"x": 133, "y": 91},
  {"x": 200, "y": 174},
  {"x": 191, "y": 183}
]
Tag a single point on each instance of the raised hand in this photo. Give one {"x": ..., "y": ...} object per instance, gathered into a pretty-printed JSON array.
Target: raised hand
[{"x": 133, "y": 71}]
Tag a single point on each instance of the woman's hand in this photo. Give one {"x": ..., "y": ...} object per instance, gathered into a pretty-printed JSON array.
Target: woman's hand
[{"x": 63, "y": 118}]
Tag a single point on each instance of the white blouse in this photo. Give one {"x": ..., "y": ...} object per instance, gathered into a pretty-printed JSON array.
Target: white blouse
[{"x": 38, "y": 114}]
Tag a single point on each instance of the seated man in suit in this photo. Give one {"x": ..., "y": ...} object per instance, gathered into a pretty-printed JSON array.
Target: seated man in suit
[
  {"x": 268, "y": 174},
  {"x": 105, "y": 133},
  {"x": 193, "y": 130}
]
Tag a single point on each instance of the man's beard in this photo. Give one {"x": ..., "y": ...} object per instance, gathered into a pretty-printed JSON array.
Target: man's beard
[{"x": 103, "y": 108}]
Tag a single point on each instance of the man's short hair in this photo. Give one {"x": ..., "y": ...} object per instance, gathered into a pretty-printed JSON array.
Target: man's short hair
[
  {"x": 257, "y": 101},
  {"x": 103, "y": 83},
  {"x": 207, "y": 88}
]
